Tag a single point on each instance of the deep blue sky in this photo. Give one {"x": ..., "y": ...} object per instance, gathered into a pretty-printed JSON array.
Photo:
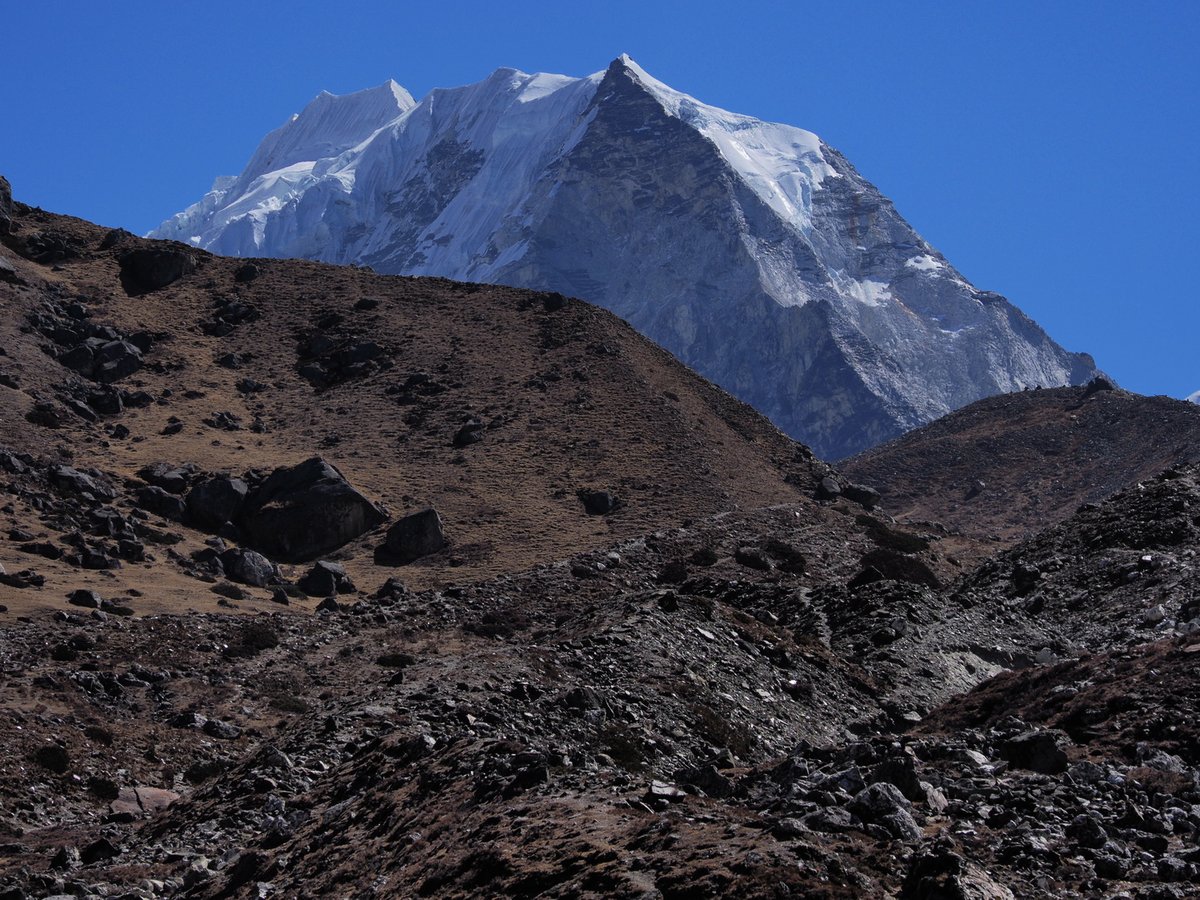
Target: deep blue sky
[{"x": 1049, "y": 149}]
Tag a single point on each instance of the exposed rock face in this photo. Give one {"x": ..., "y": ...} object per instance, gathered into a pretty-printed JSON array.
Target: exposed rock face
[
  {"x": 248, "y": 567},
  {"x": 303, "y": 511},
  {"x": 414, "y": 536},
  {"x": 5, "y": 205},
  {"x": 216, "y": 500},
  {"x": 752, "y": 251},
  {"x": 151, "y": 268}
]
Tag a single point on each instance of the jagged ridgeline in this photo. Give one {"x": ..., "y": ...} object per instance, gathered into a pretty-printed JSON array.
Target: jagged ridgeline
[{"x": 752, "y": 251}]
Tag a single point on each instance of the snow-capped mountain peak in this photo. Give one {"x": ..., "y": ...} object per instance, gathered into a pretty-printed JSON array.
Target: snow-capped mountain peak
[
  {"x": 327, "y": 126},
  {"x": 750, "y": 249}
]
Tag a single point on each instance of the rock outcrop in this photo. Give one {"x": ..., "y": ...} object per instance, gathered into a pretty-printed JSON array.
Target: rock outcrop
[{"x": 301, "y": 512}]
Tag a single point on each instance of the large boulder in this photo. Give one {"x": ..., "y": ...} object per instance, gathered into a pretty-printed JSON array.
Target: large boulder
[
  {"x": 883, "y": 804},
  {"x": 155, "y": 500},
  {"x": 248, "y": 567},
  {"x": 69, "y": 479},
  {"x": 116, "y": 359},
  {"x": 150, "y": 268},
  {"x": 414, "y": 536},
  {"x": 171, "y": 478},
  {"x": 1037, "y": 751},
  {"x": 326, "y": 579},
  {"x": 216, "y": 500},
  {"x": 304, "y": 511}
]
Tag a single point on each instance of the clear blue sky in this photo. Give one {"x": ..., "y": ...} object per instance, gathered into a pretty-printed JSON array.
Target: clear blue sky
[{"x": 1049, "y": 149}]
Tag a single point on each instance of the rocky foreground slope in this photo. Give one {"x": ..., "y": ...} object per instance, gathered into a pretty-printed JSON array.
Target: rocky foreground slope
[
  {"x": 761, "y": 686},
  {"x": 753, "y": 251}
]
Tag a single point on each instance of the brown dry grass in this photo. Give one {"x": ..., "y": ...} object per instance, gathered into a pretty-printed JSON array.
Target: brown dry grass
[{"x": 575, "y": 398}]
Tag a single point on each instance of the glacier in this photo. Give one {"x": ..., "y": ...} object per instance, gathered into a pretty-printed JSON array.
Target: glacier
[{"x": 751, "y": 250}]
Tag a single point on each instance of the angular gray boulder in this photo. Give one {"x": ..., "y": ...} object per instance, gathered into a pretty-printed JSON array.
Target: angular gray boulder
[
  {"x": 216, "y": 500},
  {"x": 413, "y": 537},
  {"x": 302, "y": 512},
  {"x": 326, "y": 579},
  {"x": 248, "y": 567}
]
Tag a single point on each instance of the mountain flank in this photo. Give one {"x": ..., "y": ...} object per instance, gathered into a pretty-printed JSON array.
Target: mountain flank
[
  {"x": 496, "y": 406},
  {"x": 753, "y": 251},
  {"x": 1006, "y": 467}
]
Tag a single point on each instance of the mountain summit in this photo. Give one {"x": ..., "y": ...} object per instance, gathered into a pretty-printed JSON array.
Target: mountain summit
[{"x": 753, "y": 251}]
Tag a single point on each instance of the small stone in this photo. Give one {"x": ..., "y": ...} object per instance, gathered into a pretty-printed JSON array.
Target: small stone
[
  {"x": 598, "y": 503},
  {"x": 661, "y": 791},
  {"x": 470, "y": 433},
  {"x": 226, "y": 731}
]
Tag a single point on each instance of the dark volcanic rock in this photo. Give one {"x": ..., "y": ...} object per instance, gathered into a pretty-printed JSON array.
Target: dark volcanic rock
[
  {"x": 116, "y": 238},
  {"x": 172, "y": 479},
  {"x": 156, "y": 500},
  {"x": 862, "y": 494},
  {"x": 414, "y": 536},
  {"x": 97, "y": 850},
  {"x": 245, "y": 273},
  {"x": 303, "y": 511},
  {"x": 85, "y": 598},
  {"x": 7, "y": 272},
  {"x": 470, "y": 433},
  {"x": 884, "y": 563},
  {"x": 150, "y": 268},
  {"x": 828, "y": 488},
  {"x": 71, "y": 479},
  {"x": 53, "y": 757}
]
